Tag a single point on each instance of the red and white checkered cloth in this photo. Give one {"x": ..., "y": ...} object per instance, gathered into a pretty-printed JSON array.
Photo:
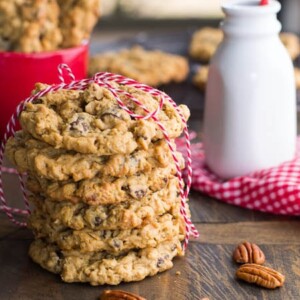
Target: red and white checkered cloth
[{"x": 275, "y": 190}]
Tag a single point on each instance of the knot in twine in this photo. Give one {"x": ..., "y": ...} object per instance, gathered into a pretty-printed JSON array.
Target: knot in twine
[{"x": 104, "y": 79}]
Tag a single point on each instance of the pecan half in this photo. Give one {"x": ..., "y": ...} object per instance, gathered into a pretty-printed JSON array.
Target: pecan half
[
  {"x": 260, "y": 275},
  {"x": 119, "y": 295},
  {"x": 248, "y": 253}
]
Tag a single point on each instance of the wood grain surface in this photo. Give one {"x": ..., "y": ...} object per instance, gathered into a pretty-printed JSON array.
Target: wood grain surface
[{"x": 207, "y": 270}]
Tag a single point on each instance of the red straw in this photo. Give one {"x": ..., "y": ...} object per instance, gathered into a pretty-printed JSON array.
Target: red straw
[{"x": 264, "y": 2}]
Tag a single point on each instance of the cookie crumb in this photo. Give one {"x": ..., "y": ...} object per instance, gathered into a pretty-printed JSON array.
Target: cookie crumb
[{"x": 178, "y": 273}]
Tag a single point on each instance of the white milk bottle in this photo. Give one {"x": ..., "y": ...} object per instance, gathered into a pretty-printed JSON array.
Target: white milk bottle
[{"x": 250, "y": 104}]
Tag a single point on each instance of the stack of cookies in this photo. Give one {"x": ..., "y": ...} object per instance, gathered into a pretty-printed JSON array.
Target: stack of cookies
[{"x": 103, "y": 184}]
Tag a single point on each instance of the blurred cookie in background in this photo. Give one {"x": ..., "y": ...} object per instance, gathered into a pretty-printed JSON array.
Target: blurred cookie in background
[
  {"x": 77, "y": 20},
  {"x": 151, "y": 67},
  {"x": 45, "y": 25},
  {"x": 297, "y": 77},
  {"x": 205, "y": 42},
  {"x": 201, "y": 76},
  {"x": 29, "y": 26},
  {"x": 292, "y": 44}
]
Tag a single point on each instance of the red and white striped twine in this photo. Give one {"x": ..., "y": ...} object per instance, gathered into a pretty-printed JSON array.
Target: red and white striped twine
[{"x": 104, "y": 79}]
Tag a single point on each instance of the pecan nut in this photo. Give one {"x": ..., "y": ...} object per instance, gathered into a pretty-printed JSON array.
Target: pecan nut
[
  {"x": 260, "y": 275},
  {"x": 248, "y": 253},
  {"x": 119, "y": 295}
]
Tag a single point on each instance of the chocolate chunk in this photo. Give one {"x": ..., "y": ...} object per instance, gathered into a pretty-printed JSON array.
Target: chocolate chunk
[
  {"x": 109, "y": 114},
  {"x": 37, "y": 101},
  {"x": 160, "y": 262},
  {"x": 97, "y": 221},
  {"x": 79, "y": 125},
  {"x": 140, "y": 194},
  {"x": 59, "y": 254},
  {"x": 113, "y": 112},
  {"x": 173, "y": 247},
  {"x": 116, "y": 244},
  {"x": 125, "y": 188}
]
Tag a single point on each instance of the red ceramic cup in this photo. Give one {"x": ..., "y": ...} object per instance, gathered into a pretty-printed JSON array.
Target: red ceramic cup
[{"x": 20, "y": 71}]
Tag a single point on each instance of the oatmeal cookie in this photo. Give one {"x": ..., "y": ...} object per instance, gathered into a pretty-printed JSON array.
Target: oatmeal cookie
[
  {"x": 151, "y": 67},
  {"x": 205, "y": 42},
  {"x": 292, "y": 44},
  {"x": 124, "y": 215},
  {"x": 77, "y": 20},
  {"x": 103, "y": 190},
  {"x": 103, "y": 268},
  {"x": 29, "y": 26},
  {"x": 164, "y": 228},
  {"x": 200, "y": 77},
  {"x": 29, "y": 154},
  {"x": 91, "y": 121},
  {"x": 297, "y": 77}
]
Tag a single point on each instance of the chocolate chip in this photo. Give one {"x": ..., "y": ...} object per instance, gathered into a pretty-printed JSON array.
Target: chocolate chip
[
  {"x": 112, "y": 112},
  {"x": 116, "y": 244},
  {"x": 140, "y": 194},
  {"x": 142, "y": 137},
  {"x": 173, "y": 247},
  {"x": 109, "y": 114},
  {"x": 79, "y": 211},
  {"x": 160, "y": 262},
  {"x": 79, "y": 125},
  {"x": 97, "y": 221},
  {"x": 73, "y": 124},
  {"x": 37, "y": 101},
  {"x": 103, "y": 234},
  {"x": 125, "y": 188},
  {"x": 92, "y": 198},
  {"x": 85, "y": 126},
  {"x": 59, "y": 254}
]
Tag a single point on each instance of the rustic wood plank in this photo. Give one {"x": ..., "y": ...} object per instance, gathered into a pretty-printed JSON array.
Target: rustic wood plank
[
  {"x": 273, "y": 233},
  {"x": 206, "y": 270},
  {"x": 213, "y": 264}
]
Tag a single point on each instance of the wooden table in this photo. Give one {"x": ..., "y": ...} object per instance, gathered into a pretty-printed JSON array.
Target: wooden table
[{"x": 207, "y": 270}]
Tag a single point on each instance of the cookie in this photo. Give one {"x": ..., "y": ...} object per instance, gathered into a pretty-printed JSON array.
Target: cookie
[
  {"x": 124, "y": 215},
  {"x": 46, "y": 25},
  {"x": 77, "y": 20},
  {"x": 204, "y": 43},
  {"x": 151, "y": 67},
  {"x": 297, "y": 77},
  {"x": 292, "y": 44},
  {"x": 200, "y": 77},
  {"x": 103, "y": 190},
  {"x": 29, "y": 26},
  {"x": 29, "y": 154},
  {"x": 113, "y": 241},
  {"x": 91, "y": 121},
  {"x": 103, "y": 268}
]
